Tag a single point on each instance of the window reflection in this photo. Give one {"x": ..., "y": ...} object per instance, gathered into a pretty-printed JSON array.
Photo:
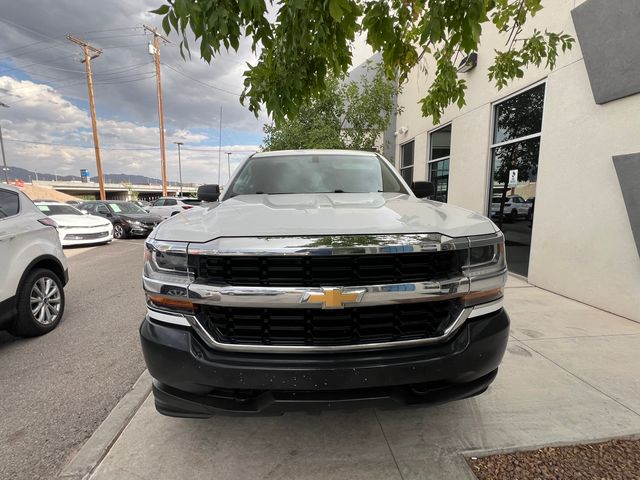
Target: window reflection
[
  {"x": 514, "y": 160},
  {"x": 439, "y": 155}
]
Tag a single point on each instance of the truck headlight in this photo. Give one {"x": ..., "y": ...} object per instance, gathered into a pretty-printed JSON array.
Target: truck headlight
[
  {"x": 486, "y": 268},
  {"x": 166, "y": 275}
]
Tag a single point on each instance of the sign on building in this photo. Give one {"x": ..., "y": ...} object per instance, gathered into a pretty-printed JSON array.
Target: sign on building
[{"x": 513, "y": 178}]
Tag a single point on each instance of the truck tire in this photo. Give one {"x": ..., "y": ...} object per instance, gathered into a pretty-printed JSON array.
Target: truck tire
[{"x": 40, "y": 304}]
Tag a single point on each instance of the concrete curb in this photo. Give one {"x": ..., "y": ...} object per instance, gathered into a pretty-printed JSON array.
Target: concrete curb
[
  {"x": 95, "y": 449},
  {"x": 480, "y": 452}
]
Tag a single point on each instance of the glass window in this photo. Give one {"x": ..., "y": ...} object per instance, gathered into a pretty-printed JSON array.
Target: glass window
[
  {"x": 439, "y": 152},
  {"x": 53, "y": 209},
  {"x": 519, "y": 116},
  {"x": 102, "y": 208},
  {"x": 169, "y": 202},
  {"x": 514, "y": 164},
  {"x": 159, "y": 203},
  {"x": 406, "y": 161},
  {"x": 9, "y": 203},
  {"x": 126, "y": 207},
  {"x": 315, "y": 174}
]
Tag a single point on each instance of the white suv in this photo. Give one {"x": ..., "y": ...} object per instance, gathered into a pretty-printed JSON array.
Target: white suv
[
  {"x": 166, "y": 207},
  {"x": 33, "y": 268}
]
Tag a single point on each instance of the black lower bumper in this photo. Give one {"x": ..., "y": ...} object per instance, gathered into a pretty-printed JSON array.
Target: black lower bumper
[{"x": 192, "y": 380}]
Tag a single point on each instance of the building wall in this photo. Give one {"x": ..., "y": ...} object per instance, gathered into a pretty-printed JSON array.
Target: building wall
[{"x": 582, "y": 244}]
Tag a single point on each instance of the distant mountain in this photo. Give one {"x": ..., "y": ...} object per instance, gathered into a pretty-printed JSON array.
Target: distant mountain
[{"x": 17, "y": 173}]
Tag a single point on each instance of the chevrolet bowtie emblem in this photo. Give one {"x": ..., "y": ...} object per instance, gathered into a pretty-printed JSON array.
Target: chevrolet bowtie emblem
[{"x": 333, "y": 297}]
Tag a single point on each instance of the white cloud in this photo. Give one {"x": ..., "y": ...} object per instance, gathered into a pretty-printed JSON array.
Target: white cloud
[
  {"x": 127, "y": 112},
  {"x": 50, "y": 118}
]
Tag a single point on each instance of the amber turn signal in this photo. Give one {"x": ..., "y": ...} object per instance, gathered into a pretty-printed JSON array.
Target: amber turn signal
[{"x": 170, "y": 303}]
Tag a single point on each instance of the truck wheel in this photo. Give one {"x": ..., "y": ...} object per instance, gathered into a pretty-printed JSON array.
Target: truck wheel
[
  {"x": 40, "y": 304},
  {"x": 118, "y": 231}
]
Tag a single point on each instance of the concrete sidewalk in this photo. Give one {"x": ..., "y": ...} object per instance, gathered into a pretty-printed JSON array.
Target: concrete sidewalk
[{"x": 570, "y": 374}]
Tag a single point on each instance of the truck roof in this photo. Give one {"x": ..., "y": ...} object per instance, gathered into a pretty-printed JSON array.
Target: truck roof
[{"x": 279, "y": 153}]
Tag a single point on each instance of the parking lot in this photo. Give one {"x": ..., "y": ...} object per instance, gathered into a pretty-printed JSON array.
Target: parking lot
[
  {"x": 66, "y": 383},
  {"x": 58, "y": 388}
]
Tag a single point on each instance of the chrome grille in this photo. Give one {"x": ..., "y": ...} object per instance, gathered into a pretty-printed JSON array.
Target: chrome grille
[
  {"x": 316, "y": 327},
  {"x": 327, "y": 270}
]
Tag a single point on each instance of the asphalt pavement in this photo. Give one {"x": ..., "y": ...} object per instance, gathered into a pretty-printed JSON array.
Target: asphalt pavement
[{"x": 55, "y": 390}]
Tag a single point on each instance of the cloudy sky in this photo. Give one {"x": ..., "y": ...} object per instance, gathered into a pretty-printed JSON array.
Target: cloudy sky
[{"x": 48, "y": 128}]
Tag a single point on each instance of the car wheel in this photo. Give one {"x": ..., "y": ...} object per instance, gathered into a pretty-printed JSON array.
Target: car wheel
[
  {"x": 40, "y": 304},
  {"x": 118, "y": 231},
  {"x": 530, "y": 214},
  {"x": 513, "y": 215}
]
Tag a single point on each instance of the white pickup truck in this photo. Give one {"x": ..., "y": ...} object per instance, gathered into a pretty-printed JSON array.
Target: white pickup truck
[{"x": 320, "y": 279}]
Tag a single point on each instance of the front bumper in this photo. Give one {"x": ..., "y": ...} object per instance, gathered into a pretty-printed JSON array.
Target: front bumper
[
  {"x": 139, "y": 231},
  {"x": 194, "y": 380}
]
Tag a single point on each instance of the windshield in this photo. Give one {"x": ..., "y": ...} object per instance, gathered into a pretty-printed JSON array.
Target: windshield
[
  {"x": 126, "y": 207},
  {"x": 342, "y": 173},
  {"x": 59, "y": 210}
]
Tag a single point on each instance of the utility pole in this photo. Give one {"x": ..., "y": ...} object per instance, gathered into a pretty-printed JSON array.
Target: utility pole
[
  {"x": 156, "y": 56},
  {"x": 179, "y": 165},
  {"x": 89, "y": 54},
  {"x": 229, "y": 165}
]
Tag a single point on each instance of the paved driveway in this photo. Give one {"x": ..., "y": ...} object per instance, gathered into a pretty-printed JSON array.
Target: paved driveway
[
  {"x": 569, "y": 375},
  {"x": 55, "y": 390}
]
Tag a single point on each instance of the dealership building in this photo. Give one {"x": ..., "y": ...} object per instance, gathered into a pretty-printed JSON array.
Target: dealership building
[{"x": 554, "y": 157}]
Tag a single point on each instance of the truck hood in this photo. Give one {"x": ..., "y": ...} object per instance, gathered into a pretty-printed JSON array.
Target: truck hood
[{"x": 321, "y": 214}]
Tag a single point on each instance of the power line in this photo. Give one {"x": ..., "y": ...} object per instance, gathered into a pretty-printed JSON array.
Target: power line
[
  {"x": 136, "y": 27},
  {"x": 127, "y": 78},
  {"x": 27, "y": 29},
  {"x": 78, "y": 146},
  {"x": 56, "y": 144},
  {"x": 22, "y": 67},
  {"x": 199, "y": 81}
]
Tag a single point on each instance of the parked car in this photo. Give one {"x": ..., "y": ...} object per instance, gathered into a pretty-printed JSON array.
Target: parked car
[
  {"x": 34, "y": 268},
  {"x": 514, "y": 207},
  {"x": 166, "y": 207},
  {"x": 319, "y": 279},
  {"x": 128, "y": 219},
  {"x": 142, "y": 204},
  {"x": 75, "y": 227}
]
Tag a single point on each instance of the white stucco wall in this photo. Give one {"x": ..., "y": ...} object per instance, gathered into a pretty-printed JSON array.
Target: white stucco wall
[{"x": 582, "y": 244}]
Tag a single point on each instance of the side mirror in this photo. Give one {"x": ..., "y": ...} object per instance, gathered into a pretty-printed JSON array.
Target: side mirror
[
  {"x": 423, "y": 189},
  {"x": 209, "y": 193}
]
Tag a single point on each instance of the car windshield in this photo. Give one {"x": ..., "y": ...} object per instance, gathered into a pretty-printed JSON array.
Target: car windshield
[
  {"x": 59, "y": 210},
  {"x": 126, "y": 207},
  {"x": 191, "y": 201},
  {"x": 322, "y": 173}
]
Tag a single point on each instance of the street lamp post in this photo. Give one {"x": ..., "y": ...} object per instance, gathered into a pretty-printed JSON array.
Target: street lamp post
[
  {"x": 179, "y": 165},
  {"x": 4, "y": 160}
]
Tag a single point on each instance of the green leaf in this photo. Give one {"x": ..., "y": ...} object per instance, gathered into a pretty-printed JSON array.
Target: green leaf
[
  {"x": 335, "y": 10},
  {"x": 165, "y": 24},
  {"x": 163, "y": 10}
]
